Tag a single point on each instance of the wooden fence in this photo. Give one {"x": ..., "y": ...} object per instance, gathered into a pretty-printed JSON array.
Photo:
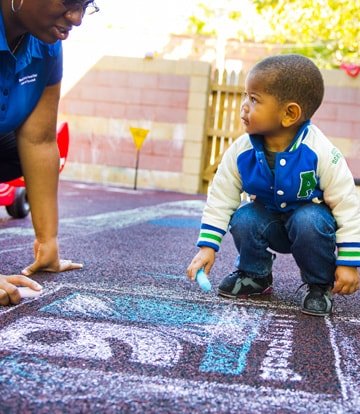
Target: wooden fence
[{"x": 223, "y": 120}]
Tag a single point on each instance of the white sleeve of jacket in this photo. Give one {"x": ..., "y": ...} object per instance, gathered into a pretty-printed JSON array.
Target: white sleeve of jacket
[
  {"x": 341, "y": 196},
  {"x": 223, "y": 199}
]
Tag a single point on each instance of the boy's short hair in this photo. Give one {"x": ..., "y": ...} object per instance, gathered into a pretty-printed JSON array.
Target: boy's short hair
[{"x": 292, "y": 78}]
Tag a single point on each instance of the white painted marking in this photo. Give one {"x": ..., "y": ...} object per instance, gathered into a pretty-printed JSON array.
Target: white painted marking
[
  {"x": 16, "y": 231},
  {"x": 126, "y": 218},
  {"x": 84, "y": 186},
  {"x": 123, "y": 190},
  {"x": 116, "y": 220}
]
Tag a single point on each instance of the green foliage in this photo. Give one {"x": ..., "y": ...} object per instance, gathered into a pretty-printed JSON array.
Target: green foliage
[
  {"x": 327, "y": 31},
  {"x": 202, "y": 22}
]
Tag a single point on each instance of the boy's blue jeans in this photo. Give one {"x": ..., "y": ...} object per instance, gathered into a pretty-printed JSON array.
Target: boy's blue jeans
[{"x": 308, "y": 233}]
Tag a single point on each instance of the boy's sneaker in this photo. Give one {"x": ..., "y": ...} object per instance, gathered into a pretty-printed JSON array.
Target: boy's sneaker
[
  {"x": 239, "y": 285},
  {"x": 317, "y": 300}
]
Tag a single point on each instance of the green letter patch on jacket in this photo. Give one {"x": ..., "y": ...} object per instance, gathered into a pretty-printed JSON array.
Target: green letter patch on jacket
[{"x": 307, "y": 184}]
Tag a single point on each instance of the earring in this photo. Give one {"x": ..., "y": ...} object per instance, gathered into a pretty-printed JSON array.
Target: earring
[{"x": 16, "y": 9}]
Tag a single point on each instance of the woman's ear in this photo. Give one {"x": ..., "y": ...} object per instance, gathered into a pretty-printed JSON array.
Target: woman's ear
[{"x": 293, "y": 114}]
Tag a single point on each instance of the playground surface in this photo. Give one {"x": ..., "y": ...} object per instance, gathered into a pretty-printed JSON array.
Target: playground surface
[{"x": 130, "y": 334}]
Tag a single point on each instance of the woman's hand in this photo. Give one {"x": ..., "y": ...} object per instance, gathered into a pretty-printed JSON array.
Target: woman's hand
[
  {"x": 47, "y": 259},
  {"x": 9, "y": 293}
]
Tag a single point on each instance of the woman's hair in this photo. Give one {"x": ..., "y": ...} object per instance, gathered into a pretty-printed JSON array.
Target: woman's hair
[{"x": 292, "y": 78}]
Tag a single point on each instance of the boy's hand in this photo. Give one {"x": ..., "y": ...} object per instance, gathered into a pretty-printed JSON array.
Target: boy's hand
[
  {"x": 205, "y": 258},
  {"x": 347, "y": 280}
]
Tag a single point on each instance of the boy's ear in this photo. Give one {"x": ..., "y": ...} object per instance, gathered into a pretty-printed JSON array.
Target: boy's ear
[{"x": 293, "y": 114}]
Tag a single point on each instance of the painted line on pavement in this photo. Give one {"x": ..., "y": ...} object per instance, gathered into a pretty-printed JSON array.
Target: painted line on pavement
[{"x": 115, "y": 220}]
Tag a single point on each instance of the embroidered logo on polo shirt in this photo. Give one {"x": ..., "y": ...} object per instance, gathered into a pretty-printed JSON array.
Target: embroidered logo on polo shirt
[{"x": 28, "y": 79}]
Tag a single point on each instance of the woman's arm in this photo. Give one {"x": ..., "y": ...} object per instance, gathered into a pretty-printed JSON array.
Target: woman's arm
[{"x": 39, "y": 158}]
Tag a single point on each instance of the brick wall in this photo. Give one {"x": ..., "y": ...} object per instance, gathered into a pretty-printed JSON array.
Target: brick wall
[
  {"x": 167, "y": 97},
  {"x": 339, "y": 115},
  {"x": 170, "y": 97}
]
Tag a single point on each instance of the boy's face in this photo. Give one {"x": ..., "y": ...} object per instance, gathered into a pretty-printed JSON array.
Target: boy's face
[{"x": 261, "y": 113}]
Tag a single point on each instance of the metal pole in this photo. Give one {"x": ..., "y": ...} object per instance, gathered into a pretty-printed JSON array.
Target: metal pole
[{"x": 136, "y": 168}]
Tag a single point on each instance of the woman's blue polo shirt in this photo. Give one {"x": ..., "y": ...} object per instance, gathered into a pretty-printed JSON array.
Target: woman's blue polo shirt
[{"x": 23, "y": 78}]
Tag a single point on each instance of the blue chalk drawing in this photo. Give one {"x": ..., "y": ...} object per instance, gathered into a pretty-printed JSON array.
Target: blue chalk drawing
[
  {"x": 131, "y": 309},
  {"x": 18, "y": 367},
  {"x": 178, "y": 222},
  {"x": 227, "y": 358},
  {"x": 227, "y": 337}
]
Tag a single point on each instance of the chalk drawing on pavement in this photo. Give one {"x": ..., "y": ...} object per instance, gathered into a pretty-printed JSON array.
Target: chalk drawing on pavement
[
  {"x": 45, "y": 382},
  {"x": 160, "y": 331},
  {"x": 226, "y": 333},
  {"x": 178, "y": 222},
  {"x": 87, "y": 340},
  {"x": 143, "y": 333},
  {"x": 115, "y": 220}
]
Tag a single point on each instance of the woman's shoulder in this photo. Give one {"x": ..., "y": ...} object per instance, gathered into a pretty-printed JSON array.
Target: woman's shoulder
[{"x": 43, "y": 49}]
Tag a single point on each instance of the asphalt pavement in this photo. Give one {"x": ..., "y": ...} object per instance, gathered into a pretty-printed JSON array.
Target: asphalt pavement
[{"x": 130, "y": 334}]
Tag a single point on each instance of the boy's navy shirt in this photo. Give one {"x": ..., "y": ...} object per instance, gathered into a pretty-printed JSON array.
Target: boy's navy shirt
[{"x": 24, "y": 77}]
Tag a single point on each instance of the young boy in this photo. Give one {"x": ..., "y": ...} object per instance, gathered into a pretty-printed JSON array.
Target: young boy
[{"x": 304, "y": 200}]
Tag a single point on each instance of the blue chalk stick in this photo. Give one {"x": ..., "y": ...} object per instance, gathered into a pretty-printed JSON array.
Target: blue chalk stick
[{"x": 203, "y": 280}]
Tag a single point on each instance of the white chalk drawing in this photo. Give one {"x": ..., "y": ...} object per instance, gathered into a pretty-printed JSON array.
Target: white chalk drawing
[
  {"x": 227, "y": 333},
  {"x": 88, "y": 340},
  {"x": 91, "y": 341},
  {"x": 347, "y": 356},
  {"x": 45, "y": 382},
  {"x": 276, "y": 364}
]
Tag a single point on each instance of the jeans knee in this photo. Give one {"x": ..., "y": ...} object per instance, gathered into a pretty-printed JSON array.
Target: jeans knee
[
  {"x": 311, "y": 221},
  {"x": 244, "y": 218}
]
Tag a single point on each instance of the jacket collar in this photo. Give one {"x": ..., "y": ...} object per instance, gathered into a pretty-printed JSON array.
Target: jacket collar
[{"x": 257, "y": 140}]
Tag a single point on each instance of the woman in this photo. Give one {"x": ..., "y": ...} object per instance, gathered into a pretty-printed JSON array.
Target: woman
[{"x": 31, "y": 32}]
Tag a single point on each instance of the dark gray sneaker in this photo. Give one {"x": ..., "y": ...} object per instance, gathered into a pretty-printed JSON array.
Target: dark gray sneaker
[
  {"x": 317, "y": 300},
  {"x": 239, "y": 285}
]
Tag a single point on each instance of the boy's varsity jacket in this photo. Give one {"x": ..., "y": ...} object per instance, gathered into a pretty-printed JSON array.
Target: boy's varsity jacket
[{"x": 310, "y": 170}]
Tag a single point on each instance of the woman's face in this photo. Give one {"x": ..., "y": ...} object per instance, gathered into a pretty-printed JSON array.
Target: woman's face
[{"x": 50, "y": 20}]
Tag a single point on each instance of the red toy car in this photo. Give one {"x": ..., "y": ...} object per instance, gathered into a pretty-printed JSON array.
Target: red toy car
[{"x": 13, "y": 193}]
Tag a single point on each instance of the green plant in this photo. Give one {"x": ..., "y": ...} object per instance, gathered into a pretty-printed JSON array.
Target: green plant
[{"x": 328, "y": 31}]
